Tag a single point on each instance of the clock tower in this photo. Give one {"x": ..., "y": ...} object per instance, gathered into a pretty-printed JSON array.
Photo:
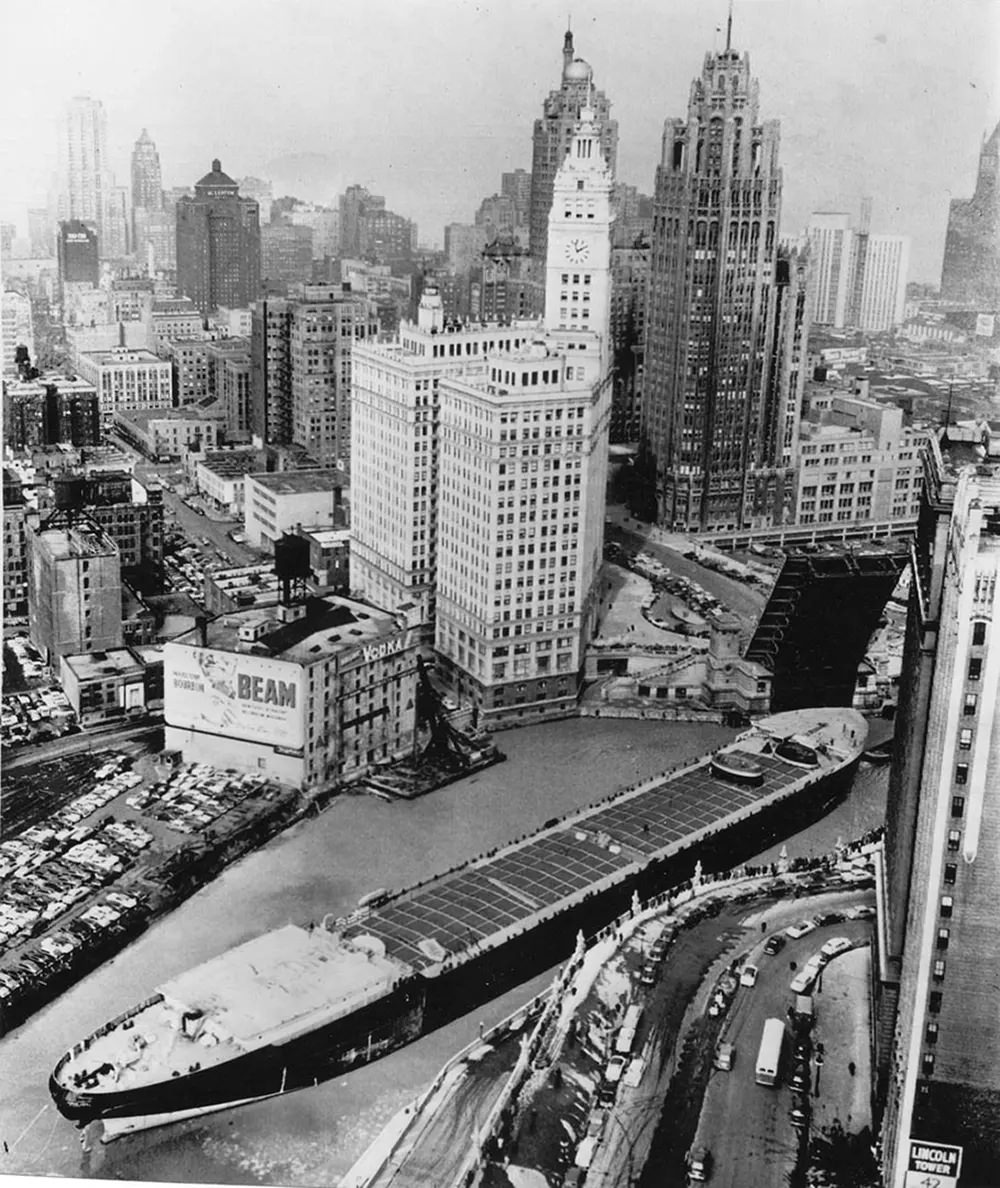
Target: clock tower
[{"x": 578, "y": 260}]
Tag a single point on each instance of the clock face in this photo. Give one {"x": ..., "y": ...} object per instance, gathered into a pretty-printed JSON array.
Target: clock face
[{"x": 577, "y": 250}]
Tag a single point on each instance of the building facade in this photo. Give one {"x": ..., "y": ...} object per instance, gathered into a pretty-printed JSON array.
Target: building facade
[
  {"x": 281, "y": 502},
  {"x": 85, "y": 177},
  {"x": 523, "y": 469},
  {"x": 725, "y": 319},
  {"x": 126, "y": 379},
  {"x": 324, "y": 325},
  {"x": 50, "y": 410},
  {"x": 883, "y": 288},
  {"x": 165, "y": 435},
  {"x": 74, "y": 590},
  {"x": 218, "y": 244},
  {"x": 831, "y": 240},
  {"x": 395, "y": 445},
  {"x": 940, "y": 1029},
  {"x": 270, "y": 372},
  {"x": 77, "y": 253},
  {"x": 553, "y": 134},
  {"x": 147, "y": 179},
  {"x": 310, "y": 695},
  {"x": 970, "y": 273}
]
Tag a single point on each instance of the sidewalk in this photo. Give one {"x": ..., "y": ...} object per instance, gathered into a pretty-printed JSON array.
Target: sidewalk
[{"x": 843, "y": 1025}]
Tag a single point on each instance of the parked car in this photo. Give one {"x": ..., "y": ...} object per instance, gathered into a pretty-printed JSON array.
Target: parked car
[
  {"x": 774, "y": 944},
  {"x": 749, "y": 975},
  {"x": 801, "y": 929}
]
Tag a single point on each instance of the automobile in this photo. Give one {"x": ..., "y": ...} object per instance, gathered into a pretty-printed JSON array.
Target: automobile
[
  {"x": 699, "y": 1163},
  {"x": 648, "y": 975},
  {"x": 614, "y": 1069},
  {"x": 838, "y": 944},
  {"x": 659, "y": 950},
  {"x": 801, "y": 929},
  {"x": 798, "y": 1118},
  {"x": 449, "y": 704},
  {"x": 803, "y": 980},
  {"x": 725, "y": 1053},
  {"x": 799, "y": 1080},
  {"x": 749, "y": 975},
  {"x": 827, "y": 918},
  {"x": 774, "y": 944},
  {"x": 863, "y": 912}
]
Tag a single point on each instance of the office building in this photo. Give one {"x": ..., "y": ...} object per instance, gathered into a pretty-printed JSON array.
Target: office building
[
  {"x": 188, "y": 359},
  {"x": 725, "y": 319},
  {"x": 221, "y": 477},
  {"x": 85, "y": 177},
  {"x": 553, "y": 134},
  {"x": 463, "y": 245},
  {"x": 395, "y": 444},
  {"x": 229, "y": 383},
  {"x": 261, "y": 191},
  {"x": 41, "y": 237},
  {"x": 117, "y": 239},
  {"x": 50, "y": 410},
  {"x": 938, "y": 1040},
  {"x": 970, "y": 274},
  {"x": 516, "y": 185},
  {"x": 18, "y": 329},
  {"x": 857, "y": 461},
  {"x": 16, "y": 521},
  {"x": 155, "y": 242},
  {"x": 286, "y": 253},
  {"x": 310, "y": 694},
  {"x": 77, "y": 253},
  {"x": 831, "y": 242},
  {"x": 131, "y": 299},
  {"x": 167, "y": 434},
  {"x": 324, "y": 324},
  {"x": 74, "y": 590},
  {"x": 126, "y": 378},
  {"x": 883, "y": 289},
  {"x": 147, "y": 179},
  {"x": 174, "y": 317},
  {"x": 370, "y": 232},
  {"x": 218, "y": 244},
  {"x": 522, "y": 473},
  {"x": 629, "y": 282},
  {"x": 270, "y": 372},
  {"x": 282, "y": 502}
]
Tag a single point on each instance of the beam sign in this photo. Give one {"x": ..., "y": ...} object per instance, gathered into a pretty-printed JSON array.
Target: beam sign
[{"x": 933, "y": 1165}]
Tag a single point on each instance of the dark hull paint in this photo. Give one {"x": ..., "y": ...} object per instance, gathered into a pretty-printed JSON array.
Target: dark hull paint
[{"x": 423, "y": 1004}]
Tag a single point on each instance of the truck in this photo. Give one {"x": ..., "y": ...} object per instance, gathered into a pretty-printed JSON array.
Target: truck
[{"x": 769, "y": 1054}]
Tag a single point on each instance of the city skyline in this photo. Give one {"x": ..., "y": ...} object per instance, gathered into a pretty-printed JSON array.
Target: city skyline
[{"x": 860, "y": 91}]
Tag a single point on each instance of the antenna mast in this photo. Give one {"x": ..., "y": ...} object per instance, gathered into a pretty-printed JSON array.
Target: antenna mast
[{"x": 729, "y": 28}]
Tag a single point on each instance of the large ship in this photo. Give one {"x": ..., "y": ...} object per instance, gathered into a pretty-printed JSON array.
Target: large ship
[{"x": 300, "y": 1004}]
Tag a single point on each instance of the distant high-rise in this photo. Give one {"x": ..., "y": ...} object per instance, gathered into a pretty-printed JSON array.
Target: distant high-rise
[
  {"x": 831, "y": 240},
  {"x": 553, "y": 135},
  {"x": 218, "y": 244},
  {"x": 883, "y": 286},
  {"x": 147, "y": 180},
  {"x": 40, "y": 232},
  {"x": 77, "y": 253},
  {"x": 724, "y": 325},
  {"x": 85, "y": 176},
  {"x": 971, "y": 270},
  {"x": 938, "y": 1039},
  {"x": 270, "y": 372}
]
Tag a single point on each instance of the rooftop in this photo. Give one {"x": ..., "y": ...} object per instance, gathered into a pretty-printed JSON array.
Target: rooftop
[
  {"x": 231, "y": 465},
  {"x": 144, "y": 416},
  {"x": 330, "y": 625},
  {"x": 80, "y": 540},
  {"x": 328, "y": 537},
  {"x": 124, "y": 357},
  {"x": 89, "y": 666},
  {"x": 301, "y": 482}
]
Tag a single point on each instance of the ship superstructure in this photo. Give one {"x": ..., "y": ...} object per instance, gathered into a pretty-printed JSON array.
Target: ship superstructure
[{"x": 300, "y": 1004}]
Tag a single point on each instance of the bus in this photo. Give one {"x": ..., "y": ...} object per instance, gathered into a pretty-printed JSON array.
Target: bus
[
  {"x": 626, "y": 1035},
  {"x": 769, "y": 1056}
]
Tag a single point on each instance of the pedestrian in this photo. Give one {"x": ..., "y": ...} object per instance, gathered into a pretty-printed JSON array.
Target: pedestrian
[{"x": 851, "y": 1067}]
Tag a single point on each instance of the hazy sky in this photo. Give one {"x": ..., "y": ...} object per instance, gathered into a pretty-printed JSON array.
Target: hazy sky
[{"x": 428, "y": 101}]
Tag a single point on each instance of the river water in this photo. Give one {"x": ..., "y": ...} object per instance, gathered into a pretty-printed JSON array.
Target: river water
[{"x": 321, "y": 865}]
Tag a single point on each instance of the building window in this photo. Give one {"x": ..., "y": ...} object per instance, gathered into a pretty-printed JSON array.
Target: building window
[
  {"x": 954, "y": 840},
  {"x": 951, "y": 873},
  {"x": 975, "y": 668},
  {"x": 939, "y": 970},
  {"x": 965, "y": 740},
  {"x": 931, "y": 1033},
  {"x": 947, "y": 906},
  {"x": 978, "y": 634},
  {"x": 969, "y": 708},
  {"x": 962, "y": 773},
  {"x": 957, "y": 806},
  {"x": 942, "y": 938}
]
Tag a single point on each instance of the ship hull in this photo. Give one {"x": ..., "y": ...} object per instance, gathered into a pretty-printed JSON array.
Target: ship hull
[
  {"x": 377, "y": 1029},
  {"x": 423, "y": 1004}
]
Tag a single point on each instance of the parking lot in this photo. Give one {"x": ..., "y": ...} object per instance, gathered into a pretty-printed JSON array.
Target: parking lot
[{"x": 34, "y": 708}]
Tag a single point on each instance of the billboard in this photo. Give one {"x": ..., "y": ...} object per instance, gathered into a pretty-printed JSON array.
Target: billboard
[
  {"x": 933, "y": 1165},
  {"x": 985, "y": 325},
  {"x": 240, "y": 696}
]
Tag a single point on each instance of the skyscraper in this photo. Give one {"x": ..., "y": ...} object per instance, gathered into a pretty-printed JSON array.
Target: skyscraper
[
  {"x": 553, "y": 135},
  {"x": 883, "y": 287},
  {"x": 147, "y": 180},
  {"x": 971, "y": 270},
  {"x": 77, "y": 253},
  {"x": 522, "y": 473},
  {"x": 832, "y": 242},
  {"x": 218, "y": 244},
  {"x": 939, "y": 1039},
  {"x": 85, "y": 176},
  {"x": 270, "y": 372},
  {"x": 714, "y": 408}
]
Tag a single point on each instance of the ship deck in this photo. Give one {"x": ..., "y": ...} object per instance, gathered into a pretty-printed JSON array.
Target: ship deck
[{"x": 455, "y": 911}]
